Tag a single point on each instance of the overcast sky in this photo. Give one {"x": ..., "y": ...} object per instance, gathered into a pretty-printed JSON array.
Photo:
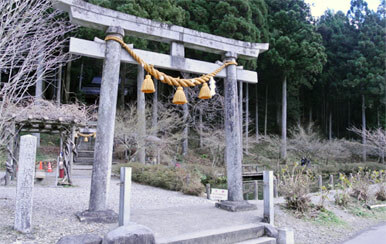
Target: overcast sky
[{"x": 319, "y": 6}]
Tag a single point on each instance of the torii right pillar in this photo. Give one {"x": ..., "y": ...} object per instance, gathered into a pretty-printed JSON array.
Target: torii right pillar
[{"x": 233, "y": 150}]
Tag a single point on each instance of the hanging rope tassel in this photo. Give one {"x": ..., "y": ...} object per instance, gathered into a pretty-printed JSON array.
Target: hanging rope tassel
[
  {"x": 212, "y": 85},
  {"x": 204, "y": 92},
  {"x": 148, "y": 85},
  {"x": 86, "y": 139},
  {"x": 179, "y": 97}
]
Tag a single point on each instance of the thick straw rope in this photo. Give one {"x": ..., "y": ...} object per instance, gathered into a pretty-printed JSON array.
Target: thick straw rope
[{"x": 164, "y": 77}]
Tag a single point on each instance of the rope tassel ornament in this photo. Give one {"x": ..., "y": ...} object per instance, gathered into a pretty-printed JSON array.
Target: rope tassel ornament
[
  {"x": 179, "y": 97},
  {"x": 204, "y": 92},
  {"x": 148, "y": 85},
  {"x": 212, "y": 85}
]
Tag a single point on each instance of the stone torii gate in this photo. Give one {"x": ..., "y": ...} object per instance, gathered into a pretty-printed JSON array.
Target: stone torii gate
[{"x": 118, "y": 24}]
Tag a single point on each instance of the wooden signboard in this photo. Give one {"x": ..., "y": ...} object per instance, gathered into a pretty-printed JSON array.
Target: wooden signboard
[{"x": 218, "y": 194}]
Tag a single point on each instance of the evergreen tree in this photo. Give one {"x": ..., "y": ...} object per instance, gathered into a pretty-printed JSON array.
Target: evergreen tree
[{"x": 296, "y": 52}]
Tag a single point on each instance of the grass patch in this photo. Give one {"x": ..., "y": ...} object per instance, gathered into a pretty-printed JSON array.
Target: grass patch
[
  {"x": 326, "y": 217},
  {"x": 360, "y": 211},
  {"x": 170, "y": 178}
]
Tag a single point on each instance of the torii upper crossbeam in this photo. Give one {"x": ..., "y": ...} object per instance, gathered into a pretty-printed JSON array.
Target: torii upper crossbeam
[{"x": 118, "y": 24}]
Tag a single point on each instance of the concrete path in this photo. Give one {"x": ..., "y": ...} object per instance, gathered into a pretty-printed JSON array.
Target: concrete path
[{"x": 374, "y": 235}]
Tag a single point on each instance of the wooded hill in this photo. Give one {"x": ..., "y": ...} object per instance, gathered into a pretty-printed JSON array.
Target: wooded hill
[
  {"x": 329, "y": 71},
  {"x": 332, "y": 69}
]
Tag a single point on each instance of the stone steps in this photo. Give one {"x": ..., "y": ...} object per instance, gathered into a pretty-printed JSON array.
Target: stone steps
[
  {"x": 243, "y": 234},
  {"x": 85, "y": 154},
  {"x": 83, "y": 161},
  {"x": 260, "y": 240}
]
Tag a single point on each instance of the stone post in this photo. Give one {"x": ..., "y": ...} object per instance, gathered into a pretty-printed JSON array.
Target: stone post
[
  {"x": 332, "y": 181},
  {"x": 320, "y": 182},
  {"x": 207, "y": 186},
  {"x": 124, "y": 198},
  {"x": 232, "y": 133},
  {"x": 275, "y": 188},
  {"x": 285, "y": 236},
  {"x": 25, "y": 183},
  {"x": 268, "y": 197},
  {"x": 233, "y": 149},
  {"x": 141, "y": 115},
  {"x": 101, "y": 171}
]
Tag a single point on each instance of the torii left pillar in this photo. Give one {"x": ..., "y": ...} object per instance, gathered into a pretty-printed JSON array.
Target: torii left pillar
[{"x": 101, "y": 172}]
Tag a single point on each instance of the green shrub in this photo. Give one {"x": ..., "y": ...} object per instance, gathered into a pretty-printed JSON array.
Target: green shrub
[
  {"x": 170, "y": 178},
  {"x": 342, "y": 197}
]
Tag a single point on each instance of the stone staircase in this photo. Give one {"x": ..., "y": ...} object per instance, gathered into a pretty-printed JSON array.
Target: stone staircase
[
  {"x": 85, "y": 152},
  {"x": 243, "y": 234}
]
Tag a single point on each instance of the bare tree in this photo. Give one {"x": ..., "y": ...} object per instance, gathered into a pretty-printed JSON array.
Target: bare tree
[
  {"x": 376, "y": 140},
  {"x": 163, "y": 140},
  {"x": 32, "y": 37}
]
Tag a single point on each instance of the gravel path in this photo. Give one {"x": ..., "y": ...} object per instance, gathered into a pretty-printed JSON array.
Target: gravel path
[{"x": 167, "y": 213}]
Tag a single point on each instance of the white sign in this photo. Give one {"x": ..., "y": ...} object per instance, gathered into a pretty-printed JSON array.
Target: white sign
[{"x": 218, "y": 194}]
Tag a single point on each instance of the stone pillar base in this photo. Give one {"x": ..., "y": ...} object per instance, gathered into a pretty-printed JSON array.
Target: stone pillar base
[
  {"x": 105, "y": 216},
  {"x": 234, "y": 206},
  {"x": 131, "y": 233}
]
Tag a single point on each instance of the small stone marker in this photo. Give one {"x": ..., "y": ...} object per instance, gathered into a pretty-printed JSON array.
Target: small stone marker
[
  {"x": 268, "y": 197},
  {"x": 218, "y": 194},
  {"x": 275, "y": 188},
  {"x": 332, "y": 181},
  {"x": 286, "y": 236},
  {"x": 207, "y": 186},
  {"x": 124, "y": 199},
  {"x": 25, "y": 183},
  {"x": 320, "y": 182}
]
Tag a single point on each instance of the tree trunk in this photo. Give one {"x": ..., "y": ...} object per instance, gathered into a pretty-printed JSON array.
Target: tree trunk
[
  {"x": 81, "y": 76},
  {"x": 154, "y": 118},
  {"x": 39, "y": 79},
  {"x": 121, "y": 101},
  {"x": 141, "y": 116},
  {"x": 378, "y": 121},
  {"x": 299, "y": 110},
  {"x": 266, "y": 110},
  {"x": 349, "y": 118},
  {"x": 364, "y": 129},
  {"x": 185, "y": 134},
  {"x": 246, "y": 117},
  {"x": 284, "y": 120},
  {"x": 278, "y": 111},
  {"x": 330, "y": 125},
  {"x": 241, "y": 113},
  {"x": 200, "y": 127},
  {"x": 68, "y": 82},
  {"x": 257, "y": 114},
  {"x": 59, "y": 85},
  {"x": 310, "y": 115}
]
